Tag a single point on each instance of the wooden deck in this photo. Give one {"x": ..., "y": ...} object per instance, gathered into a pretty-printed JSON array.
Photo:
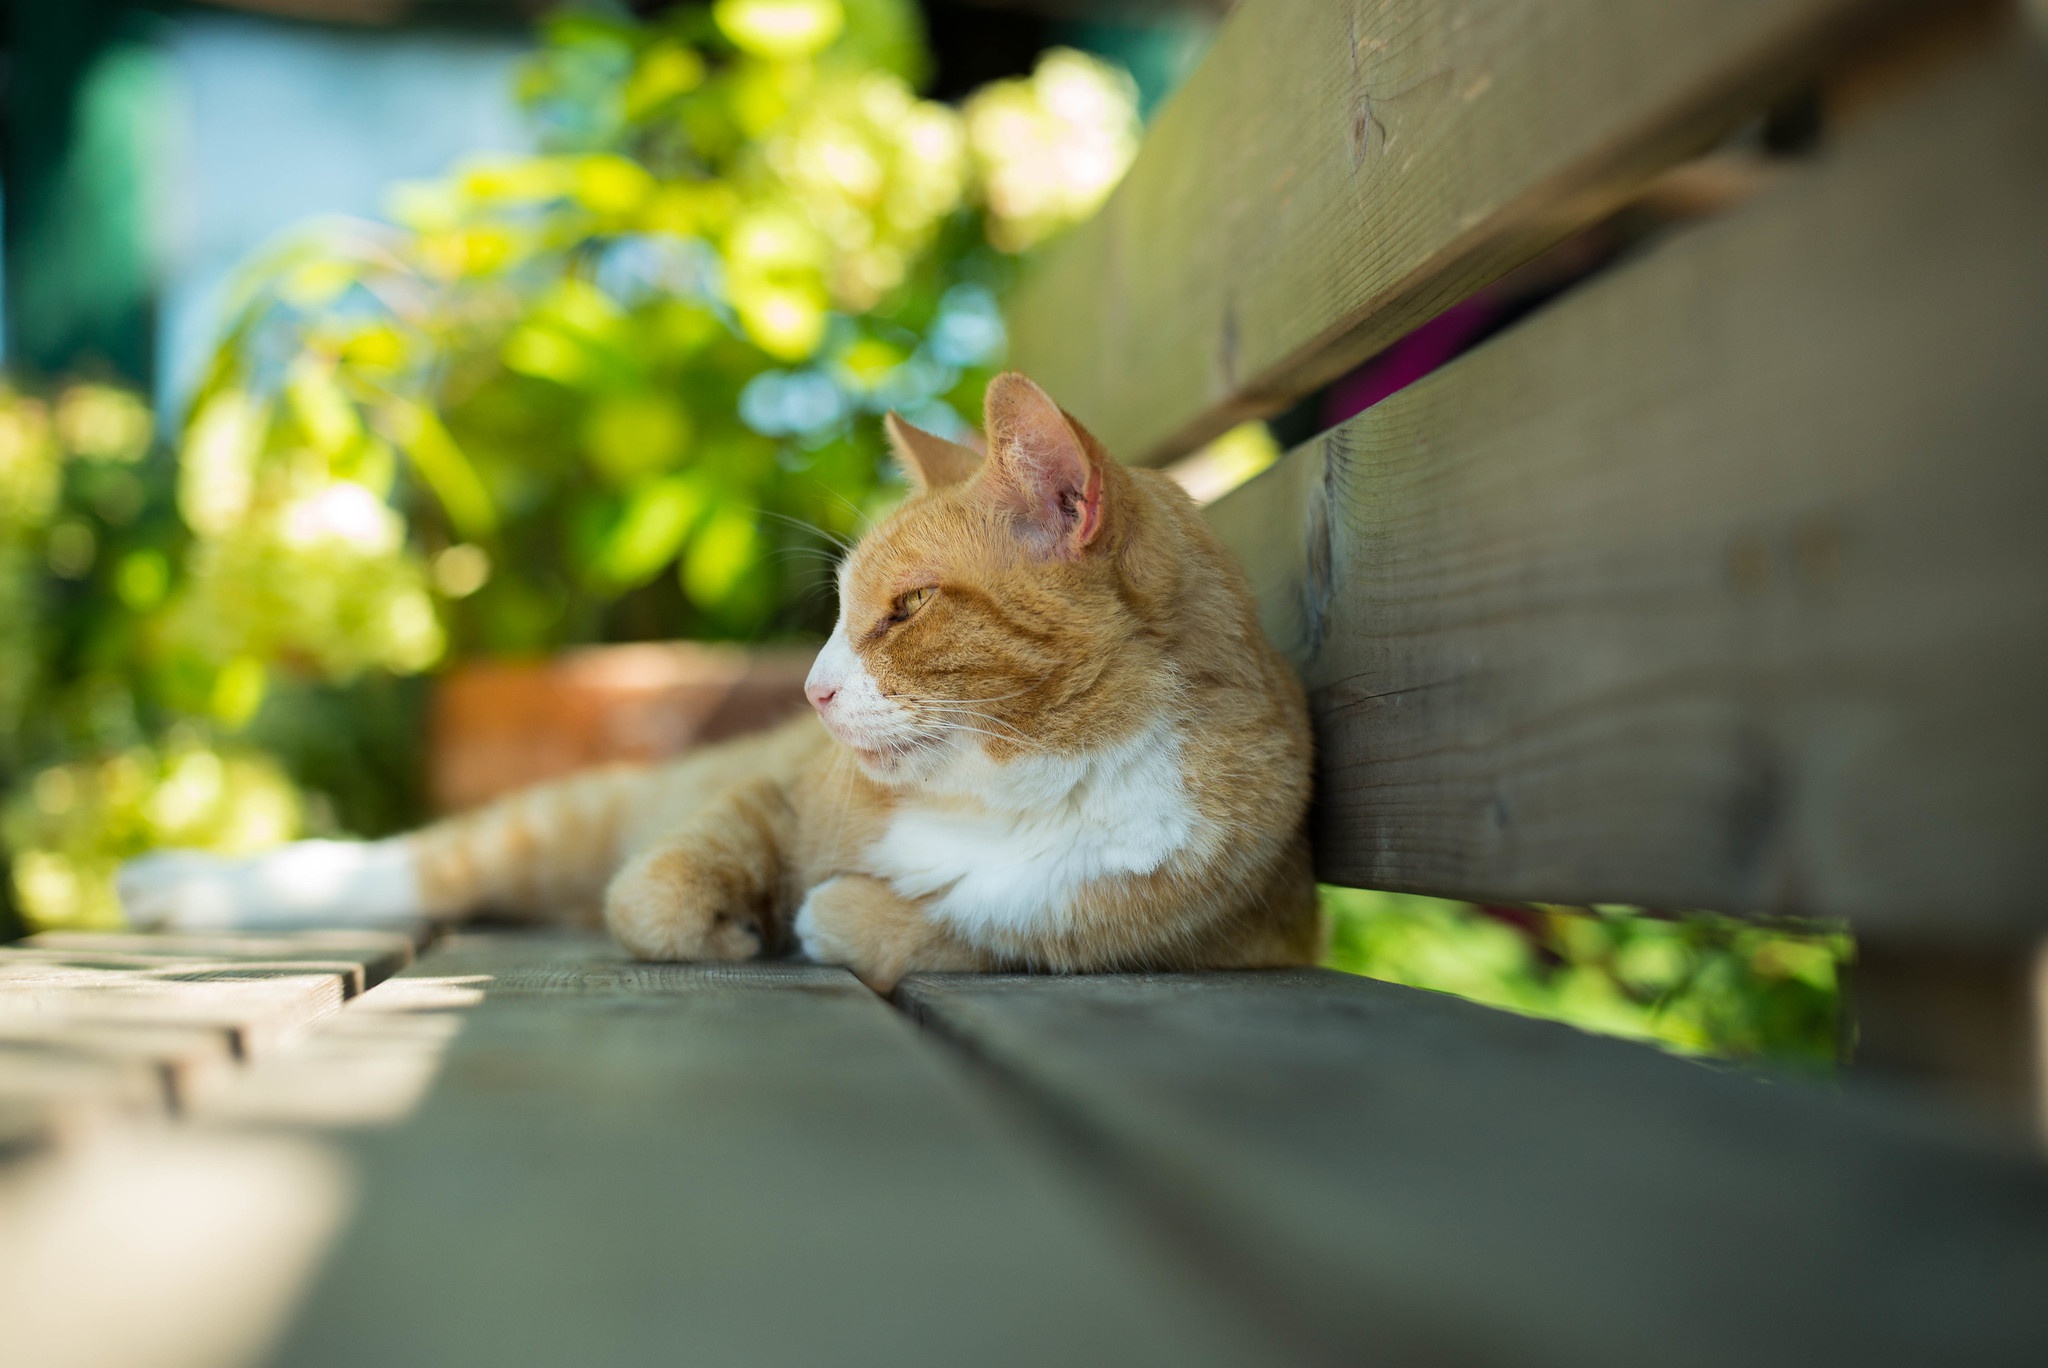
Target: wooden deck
[{"x": 524, "y": 1149}]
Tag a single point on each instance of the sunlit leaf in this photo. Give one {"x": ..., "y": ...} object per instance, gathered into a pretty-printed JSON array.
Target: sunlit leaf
[
  {"x": 217, "y": 472},
  {"x": 634, "y": 432},
  {"x": 238, "y": 691},
  {"x": 142, "y": 579},
  {"x": 665, "y": 71},
  {"x": 612, "y": 185},
  {"x": 323, "y": 412},
  {"x": 786, "y": 320},
  {"x": 780, "y": 28},
  {"x": 656, "y": 522},
  {"x": 550, "y": 354},
  {"x": 723, "y": 550},
  {"x": 419, "y": 432},
  {"x": 103, "y": 423}
]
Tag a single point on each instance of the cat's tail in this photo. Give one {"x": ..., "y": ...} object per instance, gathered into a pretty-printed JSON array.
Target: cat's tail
[{"x": 543, "y": 854}]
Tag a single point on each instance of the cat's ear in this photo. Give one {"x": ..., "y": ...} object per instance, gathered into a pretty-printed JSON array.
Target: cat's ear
[
  {"x": 928, "y": 460},
  {"x": 1042, "y": 466}
]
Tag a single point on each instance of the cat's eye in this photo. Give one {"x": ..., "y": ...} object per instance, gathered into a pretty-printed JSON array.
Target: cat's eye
[{"x": 912, "y": 601}]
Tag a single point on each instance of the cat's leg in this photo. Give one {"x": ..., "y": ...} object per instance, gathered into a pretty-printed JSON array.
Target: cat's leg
[
  {"x": 307, "y": 883},
  {"x": 714, "y": 888},
  {"x": 864, "y": 924},
  {"x": 542, "y": 854}
]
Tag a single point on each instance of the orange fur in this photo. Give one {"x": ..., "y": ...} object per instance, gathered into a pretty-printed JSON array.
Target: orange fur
[{"x": 1077, "y": 605}]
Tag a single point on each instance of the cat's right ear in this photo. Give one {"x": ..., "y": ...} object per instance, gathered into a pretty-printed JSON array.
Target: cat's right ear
[{"x": 928, "y": 460}]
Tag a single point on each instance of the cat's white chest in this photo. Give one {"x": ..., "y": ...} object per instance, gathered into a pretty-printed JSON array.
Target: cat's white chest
[{"x": 1021, "y": 839}]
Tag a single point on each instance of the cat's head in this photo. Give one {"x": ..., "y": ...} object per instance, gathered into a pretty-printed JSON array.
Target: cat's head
[{"x": 1007, "y": 607}]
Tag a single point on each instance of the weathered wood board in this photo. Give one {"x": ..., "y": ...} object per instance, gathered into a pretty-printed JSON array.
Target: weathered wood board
[
  {"x": 1721, "y": 583},
  {"x": 633, "y": 1164},
  {"x": 153, "y": 1247},
  {"x": 1337, "y": 172},
  {"x": 374, "y": 955},
  {"x": 255, "y": 1009},
  {"x": 99, "y": 1026},
  {"x": 1407, "y": 1178},
  {"x": 183, "y": 1061}
]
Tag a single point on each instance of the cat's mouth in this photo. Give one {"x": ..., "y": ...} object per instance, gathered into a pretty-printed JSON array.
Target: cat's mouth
[{"x": 883, "y": 757}]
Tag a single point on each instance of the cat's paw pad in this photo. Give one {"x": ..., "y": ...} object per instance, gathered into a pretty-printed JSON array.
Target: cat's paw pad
[{"x": 664, "y": 906}]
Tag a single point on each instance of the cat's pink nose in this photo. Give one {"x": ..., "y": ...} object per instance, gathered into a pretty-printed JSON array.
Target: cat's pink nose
[{"x": 820, "y": 694}]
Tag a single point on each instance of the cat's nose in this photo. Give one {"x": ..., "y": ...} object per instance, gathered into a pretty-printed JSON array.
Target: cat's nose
[{"x": 820, "y": 693}]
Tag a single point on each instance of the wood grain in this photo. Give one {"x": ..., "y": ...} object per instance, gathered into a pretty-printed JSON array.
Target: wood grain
[
  {"x": 255, "y": 1008},
  {"x": 1408, "y": 1178},
  {"x": 367, "y": 958},
  {"x": 95, "y": 1027},
  {"x": 642, "y": 1164},
  {"x": 1720, "y": 584},
  {"x": 1337, "y": 172}
]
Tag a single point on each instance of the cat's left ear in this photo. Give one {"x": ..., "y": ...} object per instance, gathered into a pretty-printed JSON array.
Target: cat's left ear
[
  {"x": 1043, "y": 466},
  {"x": 928, "y": 460}
]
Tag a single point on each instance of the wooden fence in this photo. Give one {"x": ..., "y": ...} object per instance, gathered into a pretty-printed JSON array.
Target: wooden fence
[{"x": 1719, "y": 582}]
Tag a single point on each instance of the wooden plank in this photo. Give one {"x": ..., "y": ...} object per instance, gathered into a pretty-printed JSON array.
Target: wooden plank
[
  {"x": 1338, "y": 171},
  {"x": 256, "y": 1009},
  {"x": 622, "y": 1163},
  {"x": 185, "y": 1062},
  {"x": 1415, "y": 1179},
  {"x": 155, "y": 1248},
  {"x": 1721, "y": 583},
  {"x": 99, "y": 1026},
  {"x": 366, "y": 958},
  {"x": 47, "y": 1078}
]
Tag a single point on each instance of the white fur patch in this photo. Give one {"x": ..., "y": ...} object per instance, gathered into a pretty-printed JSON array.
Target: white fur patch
[
  {"x": 858, "y": 703},
  {"x": 1005, "y": 847},
  {"x": 886, "y": 740},
  {"x": 818, "y": 945},
  {"x": 308, "y": 883}
]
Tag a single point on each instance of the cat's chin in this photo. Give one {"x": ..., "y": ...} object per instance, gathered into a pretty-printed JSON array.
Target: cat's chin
[{"x": 896, "y": 764}]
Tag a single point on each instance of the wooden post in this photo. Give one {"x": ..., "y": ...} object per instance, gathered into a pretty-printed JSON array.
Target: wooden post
[{"x": 1972, "y": 1022}]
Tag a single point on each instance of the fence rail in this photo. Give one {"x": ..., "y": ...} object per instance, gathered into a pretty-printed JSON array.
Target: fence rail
[
  {"x": 1336, "y": 173},
  {"x": 1721, "y": 583}
]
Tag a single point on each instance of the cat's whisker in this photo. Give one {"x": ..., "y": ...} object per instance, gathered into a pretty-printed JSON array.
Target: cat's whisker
[
  {"x": 789, "y": 555},
  {"x": 1016, "y": 736},
  {"x": 995, "y": 698},
  {"x": 847, "y": 503},
  {"x": 943, "y": 713},
  {"x": 994, "y": 736},
  {"x": 841, "y": 542}
]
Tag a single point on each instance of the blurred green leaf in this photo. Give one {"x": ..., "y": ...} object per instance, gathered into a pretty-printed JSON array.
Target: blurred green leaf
[
  {"x": 657, "y": 519},
  {"x": 442, "y": 464}
]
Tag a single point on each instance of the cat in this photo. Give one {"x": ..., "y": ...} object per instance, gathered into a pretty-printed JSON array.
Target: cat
[{"x": 1047, "y": 733}]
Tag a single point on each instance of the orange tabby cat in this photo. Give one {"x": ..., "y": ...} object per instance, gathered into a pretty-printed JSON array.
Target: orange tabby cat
[{"x": 1049, "y": 734}]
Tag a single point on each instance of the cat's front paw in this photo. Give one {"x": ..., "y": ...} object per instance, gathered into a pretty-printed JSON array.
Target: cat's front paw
[
  {"x": 666, "y": 906},
  {"x": 826, "y": 927},
  {"x": 861, "y": 924}
]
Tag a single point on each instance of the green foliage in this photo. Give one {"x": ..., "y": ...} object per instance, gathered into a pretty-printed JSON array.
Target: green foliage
[
  {"x": 89, "y": 544},
  {"x": 1695, "y": 984},
  {"x": 615, "y": 386},
  {"x": 620, "y": 389}
]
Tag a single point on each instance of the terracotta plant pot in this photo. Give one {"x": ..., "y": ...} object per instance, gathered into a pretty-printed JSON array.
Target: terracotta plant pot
[{"x": 500, "y": 726}]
